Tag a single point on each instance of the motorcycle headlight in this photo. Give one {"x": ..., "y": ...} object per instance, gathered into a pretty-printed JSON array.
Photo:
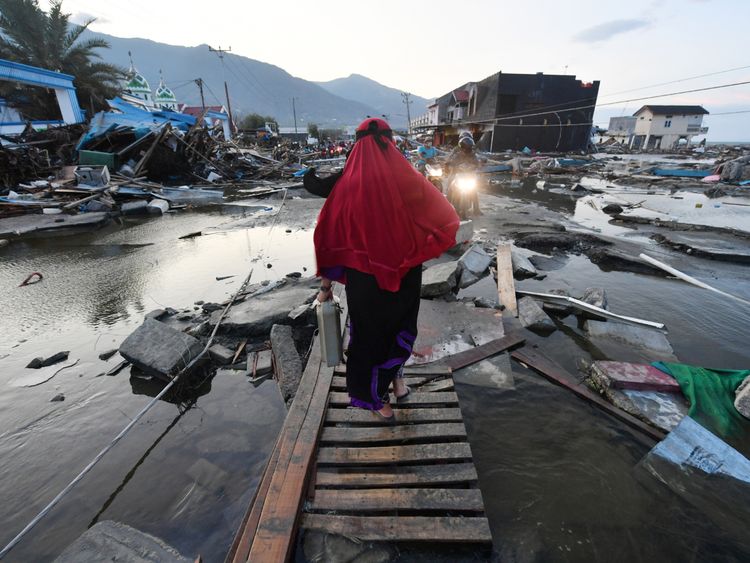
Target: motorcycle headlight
[
  {"x": 436, "y": 172},
  {"x": 466, "y": 184}
]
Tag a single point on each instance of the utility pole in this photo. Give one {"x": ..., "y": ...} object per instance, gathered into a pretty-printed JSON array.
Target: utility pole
[
  {"x": 294, "y": 111},
  {"x": 221, "y": 52},
  {"x": 199, "y": 82},
  {"x": 408, "y": 102}
]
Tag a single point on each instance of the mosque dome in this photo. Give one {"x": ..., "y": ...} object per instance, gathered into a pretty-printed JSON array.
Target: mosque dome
[{"x": 164, "y": 95}]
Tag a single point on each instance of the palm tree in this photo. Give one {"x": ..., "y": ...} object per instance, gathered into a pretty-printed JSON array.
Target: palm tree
[{"x": 48, "y": 40}]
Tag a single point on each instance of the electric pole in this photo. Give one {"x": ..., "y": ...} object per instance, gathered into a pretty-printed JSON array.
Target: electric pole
[
  {"x": 199, "y": 82},
  {"x": 221, "y": 52},
  {"x": 294, "y": 111},
  {"x": 408, "y": 102}
]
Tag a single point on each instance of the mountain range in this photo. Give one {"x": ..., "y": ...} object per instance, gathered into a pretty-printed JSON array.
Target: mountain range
[{"x": 258, "y": 87}]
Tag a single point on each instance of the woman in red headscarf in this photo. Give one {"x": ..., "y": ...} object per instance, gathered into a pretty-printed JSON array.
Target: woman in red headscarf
[{"x": 381, "y": 221}]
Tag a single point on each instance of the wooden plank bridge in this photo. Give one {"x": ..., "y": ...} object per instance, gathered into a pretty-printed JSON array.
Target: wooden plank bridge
[{"x": 347, "y": 471}]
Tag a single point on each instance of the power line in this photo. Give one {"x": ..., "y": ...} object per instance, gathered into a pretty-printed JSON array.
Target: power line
[
  {"x": 728, "y": 113},
  {"x": 679, "y": 80}
]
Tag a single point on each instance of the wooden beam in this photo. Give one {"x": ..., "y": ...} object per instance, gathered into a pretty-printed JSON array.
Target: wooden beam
[
  {"x": 402, "y": 476},
  {"x": 403, "y": 528},
  {"x": 506, "y": 288},
  {"x": 557, "y": 374},
  {"x": 415, "y": 398},
  {"x": 393, "y": 433},
  {"x": 473, "y": 355},
  {"x": 403, "y": 416},
  {"x": 379, "y": 500},
  {"x": 389, "y": 455}
]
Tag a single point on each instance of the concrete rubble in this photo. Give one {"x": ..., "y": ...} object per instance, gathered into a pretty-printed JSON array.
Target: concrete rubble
[
  {"x": 473, "y": 265},
  {"x": 533, "y": 317},
  {"x": 440, "y": 279},
  {"x": 742, "y": 400},
  {"x": 159, "y": 350}
]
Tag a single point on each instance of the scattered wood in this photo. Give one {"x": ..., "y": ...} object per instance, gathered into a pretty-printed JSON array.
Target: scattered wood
[{"x": 505, "y": 284}]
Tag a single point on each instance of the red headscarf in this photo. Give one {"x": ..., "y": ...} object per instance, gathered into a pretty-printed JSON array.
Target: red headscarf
[{"x": 382, "y": 217}]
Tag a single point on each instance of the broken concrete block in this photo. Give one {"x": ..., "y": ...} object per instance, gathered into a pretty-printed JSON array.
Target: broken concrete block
[
  {"x": 113, "y": 541},
  {"x": 637, "y": 377},
  {"x": 439, "y": 279},
  {"x": 533, "y": 317},
  {"x": 158, "y": 349},
  {"x": 302, "y": 313},
  {"x": 261, "y": 361},
  {"x": 651, "y": 341},
  {"x": 288, "y": 362},
  {"x": 595, "y": 296},
  {"x": 38, "y": 363},
  {"x": 465, "y": 232},
  {"x": 156, "y": 314},
  {"x": 258, "y": 314},
  {"x": 522, "y": 266},
  {"x": 221, "y": 354},
  {"x": 742, "y": 398},
  {"x": 476, "y": 260}
]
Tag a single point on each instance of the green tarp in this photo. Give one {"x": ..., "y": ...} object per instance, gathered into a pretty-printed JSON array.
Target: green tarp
[{"x": 711, "y": 396}]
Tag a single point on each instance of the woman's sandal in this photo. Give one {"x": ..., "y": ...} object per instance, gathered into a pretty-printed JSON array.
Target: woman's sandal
[
  {"x": 389, "y": 419},
  {"x": 403, "y": 397}
]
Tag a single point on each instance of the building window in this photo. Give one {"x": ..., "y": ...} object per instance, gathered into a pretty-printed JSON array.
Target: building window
[
  {"x": 668, "y": 123},
  {"x": 670, "y": 117}
]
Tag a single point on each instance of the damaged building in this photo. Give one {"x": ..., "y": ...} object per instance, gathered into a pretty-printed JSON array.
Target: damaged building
[{"x": 512, "y": 111}]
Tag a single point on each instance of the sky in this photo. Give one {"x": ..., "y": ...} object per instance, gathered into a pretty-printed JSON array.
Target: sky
[{"x": 429, "y": 48}]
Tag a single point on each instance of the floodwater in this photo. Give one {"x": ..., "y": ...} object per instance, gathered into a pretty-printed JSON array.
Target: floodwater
[
  {"x": 558, "y": 476},
  {"x": 188, "y": 469}
]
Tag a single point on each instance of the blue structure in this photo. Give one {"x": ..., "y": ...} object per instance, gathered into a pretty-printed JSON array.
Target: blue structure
[{"x": 62, "y": 84}]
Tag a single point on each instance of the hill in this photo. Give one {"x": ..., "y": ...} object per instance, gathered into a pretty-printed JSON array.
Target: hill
[
  {"x": 386, "y": 101},
  {"x": 254, "y": 86}
]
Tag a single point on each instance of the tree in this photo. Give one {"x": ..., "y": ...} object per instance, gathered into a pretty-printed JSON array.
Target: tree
[
  {"x": 30, "y": 36},
  {"x": 257, "y": 121},
  {"x": 313, "y": 131}
]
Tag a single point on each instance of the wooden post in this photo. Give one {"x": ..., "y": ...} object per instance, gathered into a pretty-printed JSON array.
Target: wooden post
[{"x": 506, "y": 290}]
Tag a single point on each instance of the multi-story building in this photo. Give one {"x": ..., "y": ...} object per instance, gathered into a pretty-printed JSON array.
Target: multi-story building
[
  {"x": 662, "y": 127},
  {"x": 513, "y": 111}
]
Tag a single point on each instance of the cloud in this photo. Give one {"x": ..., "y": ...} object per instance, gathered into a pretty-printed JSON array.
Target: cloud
[
  {"x": 79, "y": 18},
  {"x": 607, "y": 30}
]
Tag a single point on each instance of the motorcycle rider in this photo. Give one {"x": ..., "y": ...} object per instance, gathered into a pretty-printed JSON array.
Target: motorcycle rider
[
  {"x": 464, "y": 154},
  {"x": 427, "y": 154}
]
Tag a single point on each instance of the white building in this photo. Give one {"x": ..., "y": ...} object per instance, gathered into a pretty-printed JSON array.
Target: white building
[{"x": 662, "y": 127}]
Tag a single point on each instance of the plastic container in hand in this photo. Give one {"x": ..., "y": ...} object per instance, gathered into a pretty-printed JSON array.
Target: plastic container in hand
[{"x": 329, "y": 332}]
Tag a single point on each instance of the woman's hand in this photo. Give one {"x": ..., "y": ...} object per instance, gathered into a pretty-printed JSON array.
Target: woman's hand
[{"x": 326, "y": 290}]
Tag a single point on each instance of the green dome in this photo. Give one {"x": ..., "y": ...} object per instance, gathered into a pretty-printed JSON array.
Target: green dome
[
  {"x": 136, "y": 83},
  {"x": 164, "y": 94}
]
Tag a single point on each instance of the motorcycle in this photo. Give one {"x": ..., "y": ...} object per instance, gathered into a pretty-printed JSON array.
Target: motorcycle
[
  {"x": 462, "y": 190},
  {"x": 434, "y": 174}
]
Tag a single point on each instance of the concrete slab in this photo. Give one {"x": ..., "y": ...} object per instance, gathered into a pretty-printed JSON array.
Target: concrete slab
[
  {"x": 742, "y": 398},
  {"x": 533, "y": 317},
  {"x": 493, "y": 373},
  {"x": 718, "y": 246},
  {"x": 44, "y": 225},
  {"x": 628, "y": 342},
  {"x": 449, "y": 328},
  {"x": 636, "y": 377},
  {"x": 663, "y": 410},
  {"x": 439, "y": 279},
  {"x": 158, "y": 349},
  {"x": 256, "y": 315},
  {"x": 522, "y": 266},
  {"x": 465, "y": 232},
  {"x": 113, "y": 541},
  {"x": 288, "y": 362}
]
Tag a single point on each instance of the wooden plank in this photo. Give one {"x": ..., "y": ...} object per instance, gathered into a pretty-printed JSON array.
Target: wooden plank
[
  {"x": 441, "y": 385},
  {"x": 378, "y": 500},
  {"x": 557, "y": 374},
  {"x": 338, "y": 399},
  {"x": 473, "y": 355},
  {"x": 442, "y": 474},
  {"x": 403, "y": 528},
  {"x": 416, "y": 370},
  {"x": 506, "y": 287},
  {"x": 380, "y": 455},
  {"x": 339, "y": 382},
  {"x": 393, "y": 433},
  {"x": 417, "y": 415}
]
